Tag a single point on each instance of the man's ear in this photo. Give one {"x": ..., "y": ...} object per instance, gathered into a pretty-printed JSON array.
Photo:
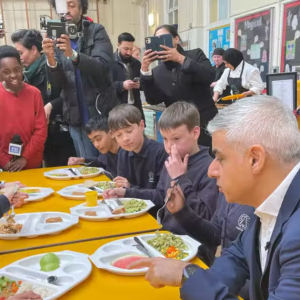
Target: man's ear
[{"x": 257, "y": 158}]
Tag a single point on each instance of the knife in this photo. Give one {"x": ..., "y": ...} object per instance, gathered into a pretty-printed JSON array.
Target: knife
[{"x": 138, "y": 241}]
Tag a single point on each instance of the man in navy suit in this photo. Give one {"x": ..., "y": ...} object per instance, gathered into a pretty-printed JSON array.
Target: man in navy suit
[{"x": 257, "y": 146}]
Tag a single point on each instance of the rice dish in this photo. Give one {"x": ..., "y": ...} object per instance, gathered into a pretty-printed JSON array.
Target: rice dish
[{"x": 43, "y": 292}]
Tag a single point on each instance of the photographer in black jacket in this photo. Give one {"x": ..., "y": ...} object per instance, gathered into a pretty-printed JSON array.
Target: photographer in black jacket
[
  {"x": 59, "y": 145},
  {"x": 81, "y": 67},
  {"x": 182, "y": 75},
  {"x": 125, "y": 69}
]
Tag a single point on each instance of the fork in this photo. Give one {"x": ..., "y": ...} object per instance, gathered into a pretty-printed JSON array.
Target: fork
[
  {"x": 158, "y": 218},
  {"x": 12, "y": 214},
  {"x": 87, "y": 164}
]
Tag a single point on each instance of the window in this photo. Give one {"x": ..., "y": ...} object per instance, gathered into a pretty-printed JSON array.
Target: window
[
  {"x": 173, "y": 12},
  {"x": 219, "y": 10}
]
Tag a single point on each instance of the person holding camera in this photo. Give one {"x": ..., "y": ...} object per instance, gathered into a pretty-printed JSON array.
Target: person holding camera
[
  {"x": 126, "y": 72},
  {"x": 180, "y": 75},
  {"x": 80, "y": 65},
  {"x": 59, "y": 145}
]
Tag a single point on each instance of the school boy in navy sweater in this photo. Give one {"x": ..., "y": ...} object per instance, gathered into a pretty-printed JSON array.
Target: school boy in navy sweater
[
  {"x": 102, "y": 139},
  {"x": 188, "y": 162},
  {"x": 141, "y": 159}
]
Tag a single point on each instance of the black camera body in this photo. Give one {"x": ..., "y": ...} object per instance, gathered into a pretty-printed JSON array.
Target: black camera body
[{"x": 56, "y": 28}]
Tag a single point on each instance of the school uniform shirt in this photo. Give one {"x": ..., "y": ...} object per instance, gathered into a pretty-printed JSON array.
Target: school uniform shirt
[
  {"x": 23, "y": 115},
  {"x": 143, "y": 169},
  {"x": 251, "y": 79},
  {"x": 200, "y": 191},
  {"x": 108, "y": 161}
]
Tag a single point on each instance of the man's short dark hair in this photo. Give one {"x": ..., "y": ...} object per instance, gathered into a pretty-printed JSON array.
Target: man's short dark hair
[
  {"x": 9, "y": 51},
  {"x": 28, "y": 38},
  {"x": 83, "y": 3},
  {"x": 179, "y": 113},
  {"x": 125, "y": 37},
  {"x": 98, "y": 123},
  {"x": 122, "y": 116}
]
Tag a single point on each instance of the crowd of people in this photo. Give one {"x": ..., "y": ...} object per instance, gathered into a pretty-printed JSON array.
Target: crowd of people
[{"x": 232, "y": 176}]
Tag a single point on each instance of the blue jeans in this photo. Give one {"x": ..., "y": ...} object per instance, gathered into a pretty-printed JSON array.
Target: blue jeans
[{"x": 83, "y": 146}]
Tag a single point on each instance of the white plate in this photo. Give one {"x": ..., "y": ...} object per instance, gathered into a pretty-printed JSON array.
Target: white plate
[
  {"x": 74, "y": 268},
  {"x": 34, "y": 224},
  {"x": 103, "y": 212},
  {"x": 67, "y": 192},
  {"x": 69, "y": 174},
  {"x": 44, "y": 193},
  {"x": 106, "y": 254}
]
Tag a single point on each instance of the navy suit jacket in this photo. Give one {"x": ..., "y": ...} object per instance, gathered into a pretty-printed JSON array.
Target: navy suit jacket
[{"x": 281, "y": 278}]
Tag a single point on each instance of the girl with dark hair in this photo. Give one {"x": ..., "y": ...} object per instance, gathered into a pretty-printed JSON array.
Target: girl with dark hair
[
  {"x": 241, "y": 77},
  {"x": 181, "y": 75},
  {"x": 59, "y": 145}
]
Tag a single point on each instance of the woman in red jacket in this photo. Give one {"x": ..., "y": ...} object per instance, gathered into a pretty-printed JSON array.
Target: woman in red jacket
[{"x": 22, "y": 113}]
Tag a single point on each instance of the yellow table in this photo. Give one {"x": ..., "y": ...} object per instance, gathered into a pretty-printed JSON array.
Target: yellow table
[
  {"x": 102, "y": 283},
  {"x": 85, "y": 230}
]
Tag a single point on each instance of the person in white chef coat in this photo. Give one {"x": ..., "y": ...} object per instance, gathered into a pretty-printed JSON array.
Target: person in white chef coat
[{"x": 240, "y": 76}]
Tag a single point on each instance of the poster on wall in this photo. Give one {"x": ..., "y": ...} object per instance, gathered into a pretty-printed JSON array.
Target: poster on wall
[
  {"x": 218, "y": 38},
  {"x": 290, "y": 54},
  {"x": 253, "y": 39}
]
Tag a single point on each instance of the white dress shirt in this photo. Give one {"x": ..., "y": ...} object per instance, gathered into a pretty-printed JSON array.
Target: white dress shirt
[
  {"x": 251, "y": 79},
  {"x": 268, "y": 212}
]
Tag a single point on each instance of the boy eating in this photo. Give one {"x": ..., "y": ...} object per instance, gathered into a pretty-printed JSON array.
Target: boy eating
[
  {"x": 102, "y": 139},
  {"x": 141, "y": 159},
  {"x": 187, "y": 163}
]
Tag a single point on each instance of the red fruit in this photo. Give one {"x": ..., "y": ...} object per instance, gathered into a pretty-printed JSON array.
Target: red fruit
[{"x": 125, "y": 261}]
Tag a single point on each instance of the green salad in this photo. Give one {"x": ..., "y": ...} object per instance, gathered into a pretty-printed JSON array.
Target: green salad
[
  {"x": 105, "y": 185},
  {"x": 134, "y": 205},
  {"x": 169, "y": 245},
  {"x": 88, "y": 170}
]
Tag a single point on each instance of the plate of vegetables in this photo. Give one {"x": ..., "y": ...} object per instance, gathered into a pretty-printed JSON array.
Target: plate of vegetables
[{"x": 8, "y": 287}]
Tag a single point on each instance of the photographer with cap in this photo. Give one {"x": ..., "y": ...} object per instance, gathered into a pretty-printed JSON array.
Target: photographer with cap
[{"x": 81, "y": 67}]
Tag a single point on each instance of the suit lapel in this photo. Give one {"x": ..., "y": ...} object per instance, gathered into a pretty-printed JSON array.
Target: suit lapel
[{"x": 288, "y": 206}]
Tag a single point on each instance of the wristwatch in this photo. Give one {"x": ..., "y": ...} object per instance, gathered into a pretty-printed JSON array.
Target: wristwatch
[
  {"x": 188, "y": 271},
  {"x": 74, "y": 56}
]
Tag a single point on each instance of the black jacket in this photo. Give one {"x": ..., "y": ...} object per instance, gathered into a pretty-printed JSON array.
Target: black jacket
[
  {"x": 120, "y": 75},
  {"x": 189, "y": 82},
  {"x": 94, "y": 61},
  {"x": 4, "y": 205}
]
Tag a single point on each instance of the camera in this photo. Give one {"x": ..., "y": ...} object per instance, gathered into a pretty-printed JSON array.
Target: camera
[{"x": 56, "y": 28}]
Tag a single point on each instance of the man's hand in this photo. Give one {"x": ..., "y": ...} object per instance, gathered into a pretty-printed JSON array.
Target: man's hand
[
  {"x": 18, "y": 183},
  {"x": 136, "y": 85},
  {"x": 128, "y": 85},
  {"x": 48, "y": 110},
  {"x": 148, "y": 58},
  {"x": 121, "y": 182},
  {"x": 26, "y": 296},
  {"x": 18, "y": 165},
  {"x": 48, "y": 47},
  {"x": 246, "y": 94},
  {"x": 64, "y": 44},
  {"x": 162, "y": 271},
  {"x": 7, "y": 166},
  {"x": 18, "y": 199},
  {"x": 75, "y": 161},
  {"x": 114, "y": 193},
  {"x": 14, "y": 197},
  {"x": 170, "y": 54},
  {"x": 177, "y": 200},
  {"x": 174, "y": 165},
  {"x": 216, "y": 96}
]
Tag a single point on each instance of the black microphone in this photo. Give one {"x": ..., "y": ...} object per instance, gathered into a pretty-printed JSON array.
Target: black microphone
[{"x": 15, "y": 147}]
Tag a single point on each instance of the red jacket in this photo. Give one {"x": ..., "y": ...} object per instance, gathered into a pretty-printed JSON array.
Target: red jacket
[{"x": 23, "y": 115}]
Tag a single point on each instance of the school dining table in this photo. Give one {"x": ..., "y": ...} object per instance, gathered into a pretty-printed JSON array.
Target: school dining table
[
  {"x": 102, "y": 283},
  {"x": 84, "y": 230}
]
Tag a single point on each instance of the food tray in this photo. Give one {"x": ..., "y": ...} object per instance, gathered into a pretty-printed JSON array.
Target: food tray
[
  {"x": 103, "y": 212},
  {"x": 109, "y": 252},
  {"x": 34, "y": 224},
  {"x": 74, "y": 268}
]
